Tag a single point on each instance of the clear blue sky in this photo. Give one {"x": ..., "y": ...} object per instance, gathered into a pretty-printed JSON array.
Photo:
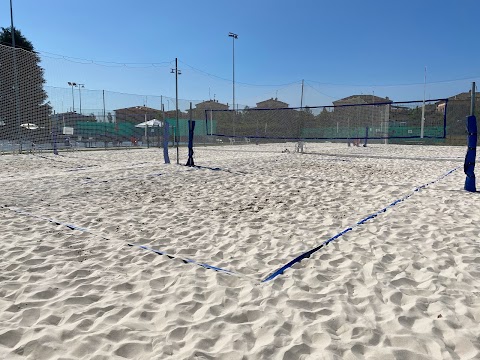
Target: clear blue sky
[{"x": 338, "y": 47}]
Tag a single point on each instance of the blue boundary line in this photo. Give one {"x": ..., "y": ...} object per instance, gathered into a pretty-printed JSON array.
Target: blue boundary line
[
  {"x": 307, "y": 254},
  {"x": 186, "y": 260},
  {"x": 56, "y": 222},
  {"x": 158, "y": 252}
]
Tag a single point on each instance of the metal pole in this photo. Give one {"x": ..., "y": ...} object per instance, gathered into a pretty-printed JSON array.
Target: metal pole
[
  {"x": 80, "y": 95},
  {"x": 176, "y": 105},
  {"x": 472, "y": 100},
  {"x": 73, "y": 99},
  {"x": 373, "y": 107},
  {"x": 104, "y": 120},
  {"x": 423, "y": 107},
  {"x": 146, "y": 131},
  {"x": 11, "y": 22},
  {"x": 301, "y": 98},
  {"x": 162, "y": 115},
  {"x": 233, "y": 36},
  {"x": 54, "y": 133},
  {"x": 103, "y": 96}
]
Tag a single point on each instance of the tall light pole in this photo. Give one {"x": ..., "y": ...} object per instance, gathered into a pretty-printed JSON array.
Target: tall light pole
[
  {"x": 11, "y": 23},
  {"x": 233, "y": 36},
  {"x": 72, "y": 84},
  {"x": 80, "y": 95},
  {"x": 176, "y": 72}
]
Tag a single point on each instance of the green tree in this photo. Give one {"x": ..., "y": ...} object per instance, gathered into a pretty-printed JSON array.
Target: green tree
[
  {"x": 22, "y": 97},
  {"x": 20, "y": 40}
]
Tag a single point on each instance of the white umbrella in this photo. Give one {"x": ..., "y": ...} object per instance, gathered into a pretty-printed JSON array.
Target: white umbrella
[
  {"x": 29, "y": 126},
  {"x": 150, "y": 123}
]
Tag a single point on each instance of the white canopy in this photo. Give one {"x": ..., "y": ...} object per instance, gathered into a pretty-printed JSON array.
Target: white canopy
[
  {"x": 29, "y": 126},
  {"x": 150, "y": 123}
]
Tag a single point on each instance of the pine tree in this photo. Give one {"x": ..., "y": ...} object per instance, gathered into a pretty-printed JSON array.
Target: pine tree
[{"x": 22, "y": 97}]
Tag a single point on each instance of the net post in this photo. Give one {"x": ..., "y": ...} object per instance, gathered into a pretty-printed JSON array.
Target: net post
[
  {"x": 54, "y": 134},
  {"x": 366, "y": 137},
  {"x": 166, "y": 135},
  {"x": 469, "y": 165},
  {"x": 191, "y": 128},
  {"x": 387, "y": 117},
  {"x": 445, "y": 119}
]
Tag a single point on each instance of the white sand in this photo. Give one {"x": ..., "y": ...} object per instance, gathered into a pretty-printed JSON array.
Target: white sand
[{"x": 405, "y": 285}]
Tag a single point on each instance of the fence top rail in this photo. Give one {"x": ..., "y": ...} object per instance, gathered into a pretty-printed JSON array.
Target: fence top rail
[{"x": 329, "y": 106}]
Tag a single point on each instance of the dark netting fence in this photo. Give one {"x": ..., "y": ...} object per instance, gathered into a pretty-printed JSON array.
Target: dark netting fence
[{"x": 36, "y": 117}]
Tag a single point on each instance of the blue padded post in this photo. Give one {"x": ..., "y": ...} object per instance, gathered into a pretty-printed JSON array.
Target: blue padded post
[
  {"x": 469, "y": 165},
  {"x": 191, "y": 129},
  {"x": 166, "y": 135}
]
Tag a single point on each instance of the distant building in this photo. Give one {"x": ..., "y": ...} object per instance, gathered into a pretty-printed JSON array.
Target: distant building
[
  {"x": 462, "y": 99},
  {"x": 211, "y": 105},
  {"x": 271, "y": 104},
  {"x": 362, "y": 99},
  {"x": 136, "y": 114},
  {"x": 465, "y": 96},
  {"x": 200, "y": 108}
]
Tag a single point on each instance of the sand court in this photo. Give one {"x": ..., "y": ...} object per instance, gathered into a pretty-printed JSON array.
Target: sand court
[{"x": 404, "y": 282}]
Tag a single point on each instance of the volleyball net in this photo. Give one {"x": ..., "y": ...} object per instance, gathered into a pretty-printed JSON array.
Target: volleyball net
[{"x": 373, "y": 121}]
